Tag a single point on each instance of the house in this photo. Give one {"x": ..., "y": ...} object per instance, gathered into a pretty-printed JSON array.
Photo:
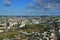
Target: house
[
  {"x": 35, "y": 21},
  {"x": 1, "y": 31}
]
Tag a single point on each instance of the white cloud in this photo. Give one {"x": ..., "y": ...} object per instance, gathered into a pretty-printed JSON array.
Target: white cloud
[
  {"x": 30, "y": 5},
  {"x": 37, "y": 0},
  {"x": 6, "y": 2},
  {"x": 48, "y": 5}
]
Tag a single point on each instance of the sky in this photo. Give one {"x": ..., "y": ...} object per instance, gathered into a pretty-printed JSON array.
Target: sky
[{"x": 29, "y": 7}]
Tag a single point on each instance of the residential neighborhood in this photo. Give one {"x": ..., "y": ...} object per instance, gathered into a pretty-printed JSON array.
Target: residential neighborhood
[
  {"x": 30, "y": 28},
  {"x": 29, "y": 19}
]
